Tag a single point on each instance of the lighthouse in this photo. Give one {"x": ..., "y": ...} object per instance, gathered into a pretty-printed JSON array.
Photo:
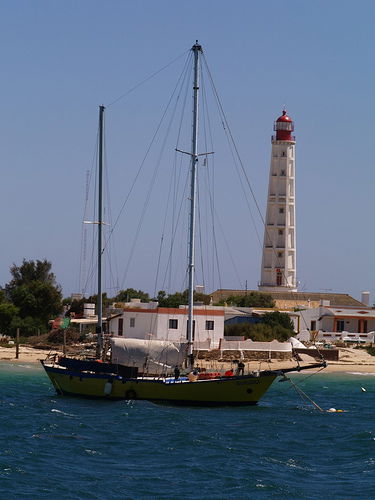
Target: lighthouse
[{"x": 278, "y": 271}]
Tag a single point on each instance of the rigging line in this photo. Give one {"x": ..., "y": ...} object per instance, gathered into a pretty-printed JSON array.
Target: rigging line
[
  {"x": 188, "y": 71},
  {"x": 200, "y": 228},
  {"x": 164, "y": 226},
  {"x": 242, "y": 186},
  {"x": 240, "y": 160},
  {"x": 300, "y": 391},
  {"x": 83, "y": 252},
  {"x": 89, "y": 175},
  {"x": 111, "y": 253},
  {"x": 228, "y": 249},
  {"x": 172, "y": 187},
  {"x": 152, "y": 182},
  {"x": 312, "y": 374},
  {"x": 187, "y": 81},
  {"x": 148, "y": 78},
  {"x": 92, "y": 267},
  {"x": 207, "y": 124},
  {"x": 214, "y": 213},
  {"x": 233, "y": 141},
  {"x": 172, "y": 193},
  {"x": 147, "y": 153},
  {"x": 232, "y": 145},
  {"x": 247, "y": 179},
  {"x": 206, "y": 171},
  {"x": 175, "y": 229}
]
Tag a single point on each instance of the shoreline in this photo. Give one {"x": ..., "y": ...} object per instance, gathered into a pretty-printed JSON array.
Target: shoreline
[{"x": 356, "y": 360}]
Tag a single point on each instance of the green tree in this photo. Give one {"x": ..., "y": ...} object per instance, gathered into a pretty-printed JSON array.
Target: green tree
[
  {"x": 278, "y": 318},
  {"x": 131, "y": 293},
  {"x": 177, "y": 299},
  {"x": 251, "y": 299},
  {"x": 30, "y": 271},
  {"x": 33, "y": 290},
  {"x": 274, "y": 325},
  {"x": 74, "y": 306},
  {"x": 8, "y": 313}
]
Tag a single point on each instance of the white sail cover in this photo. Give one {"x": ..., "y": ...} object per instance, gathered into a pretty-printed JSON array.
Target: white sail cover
[
  {"x": 149, "y": 356},
  {"x": 296, "y": 344}
]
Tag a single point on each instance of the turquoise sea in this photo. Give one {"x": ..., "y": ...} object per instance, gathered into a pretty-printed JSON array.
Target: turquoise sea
[{"x": 56, "y": 447}]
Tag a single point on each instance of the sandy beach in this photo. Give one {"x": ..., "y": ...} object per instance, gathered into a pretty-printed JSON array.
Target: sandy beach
[
  {"x": 349, "y": 360},
  {"x": 26, "y": 354}
]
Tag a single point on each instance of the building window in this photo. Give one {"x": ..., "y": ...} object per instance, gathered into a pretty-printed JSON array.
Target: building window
[
  {"x": 120, "y": 327},
  {"x": 281, "y": 210},
  {"x": 340, "y": 325},
  {"x": 281, "y": 232},
  {"x": 282, "y": 173},
  {"x": 313, "y": 326},
  {"x": 210, "y": 325},
  {"x": 279, "y": 254},
  {"x": 132, "y": 322},
  {"x": 173, "y": 324}
]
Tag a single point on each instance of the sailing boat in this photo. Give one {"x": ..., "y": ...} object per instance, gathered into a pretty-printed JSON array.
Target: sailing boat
[{"x": 113, "y": 380}]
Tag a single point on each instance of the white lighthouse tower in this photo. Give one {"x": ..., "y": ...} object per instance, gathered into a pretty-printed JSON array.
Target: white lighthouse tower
[{"x": 279, "y": 245}]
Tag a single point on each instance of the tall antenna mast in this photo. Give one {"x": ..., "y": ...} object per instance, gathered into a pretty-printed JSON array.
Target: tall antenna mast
[
  {"x": 197, "y": 49},
  {"x": 99, "y": 327}
]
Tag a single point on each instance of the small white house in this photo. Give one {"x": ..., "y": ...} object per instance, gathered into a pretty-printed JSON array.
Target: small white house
[
  {"x": 141, "y": 322},
  {"x": 339, "y": 319}
]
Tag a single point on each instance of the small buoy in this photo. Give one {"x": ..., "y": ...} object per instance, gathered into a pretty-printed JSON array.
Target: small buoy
[
  {"x": 363, "y": 389},
  {"x": 333, "y": 410}
]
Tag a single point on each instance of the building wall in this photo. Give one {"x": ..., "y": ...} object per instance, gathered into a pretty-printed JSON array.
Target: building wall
[
  {"x": 348, "y": 319},
  {"x": 156, "y": 324}
]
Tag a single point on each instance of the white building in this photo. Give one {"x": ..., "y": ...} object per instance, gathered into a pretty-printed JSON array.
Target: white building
[
  {"x": 278, "y": 271},
  {"x": 148, "y": 321},
  {"x": 339, "y": 322}
]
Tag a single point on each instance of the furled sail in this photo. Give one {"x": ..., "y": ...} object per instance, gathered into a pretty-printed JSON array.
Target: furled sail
[{"x": 149, "y": 356}]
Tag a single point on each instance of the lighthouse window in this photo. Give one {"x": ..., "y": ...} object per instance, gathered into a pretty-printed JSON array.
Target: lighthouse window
[
  {"x": 282, "y": 173},
  {"x": 281, "y": 232},
  {"x": 281, "y": 210},
  {"x": 283, "y": 153},
  {"x": 279, "y": 254}
]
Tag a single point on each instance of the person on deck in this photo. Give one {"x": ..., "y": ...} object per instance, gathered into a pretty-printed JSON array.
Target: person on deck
[{"x": 240, "y": 368}]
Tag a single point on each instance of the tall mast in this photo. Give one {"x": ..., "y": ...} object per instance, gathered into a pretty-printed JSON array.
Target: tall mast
[
  {"x": 99, "y": 327},
  {"x": 197, "y": 49}
]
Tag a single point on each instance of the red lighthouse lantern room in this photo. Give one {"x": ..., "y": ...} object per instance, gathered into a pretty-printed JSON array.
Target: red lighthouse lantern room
[{"x": 284, "y": 127}]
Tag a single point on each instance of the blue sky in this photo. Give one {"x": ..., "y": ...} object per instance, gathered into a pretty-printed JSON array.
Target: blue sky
[{"x": 60, "y": 60}]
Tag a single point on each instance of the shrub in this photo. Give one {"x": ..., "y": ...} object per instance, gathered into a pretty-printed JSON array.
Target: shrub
[{"x": 57, "y": 336}]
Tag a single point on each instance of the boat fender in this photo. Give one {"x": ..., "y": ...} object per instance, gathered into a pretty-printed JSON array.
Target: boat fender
[
  {"x": 130, "y": 394},
  {"x": 108, "y": 388}
]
